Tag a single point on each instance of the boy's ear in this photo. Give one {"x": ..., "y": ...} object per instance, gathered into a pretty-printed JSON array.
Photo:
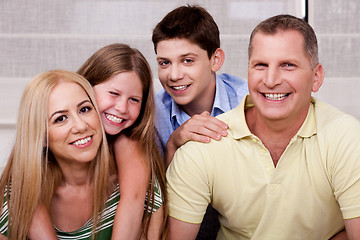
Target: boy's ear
[
  {"x": 217, "y": 59},
  {"x": 318, "y": 78}
]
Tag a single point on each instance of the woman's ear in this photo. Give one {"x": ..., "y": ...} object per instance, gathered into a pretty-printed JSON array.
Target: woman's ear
[
  {"x": 318, "y": 78},
  {"x": 217, "y": 59}
]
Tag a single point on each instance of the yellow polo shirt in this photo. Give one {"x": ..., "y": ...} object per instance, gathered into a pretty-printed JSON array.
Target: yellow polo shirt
[{"x": 314, "y": 186}]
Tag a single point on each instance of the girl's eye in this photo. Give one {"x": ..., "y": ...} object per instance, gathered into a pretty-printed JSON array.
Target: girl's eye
[
  {"x": 85, "y": 109},
  {"x": 60, "y": 119},
  {"x": 135, "y": 100}
]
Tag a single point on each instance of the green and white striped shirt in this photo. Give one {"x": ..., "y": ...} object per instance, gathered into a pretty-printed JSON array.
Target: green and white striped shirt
[{"x": 103, "y": 231}]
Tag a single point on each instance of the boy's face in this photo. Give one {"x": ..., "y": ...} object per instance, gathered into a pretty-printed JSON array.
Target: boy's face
[{"x": 186, "y": 72}]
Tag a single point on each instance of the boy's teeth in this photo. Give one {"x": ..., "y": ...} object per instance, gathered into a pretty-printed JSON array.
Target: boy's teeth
[
  {"x": 82, "y": 141},
  {"x": 180, "y": 87},
  {"x": 113, "y": 118},
  {"x": 275, "y": 96}
]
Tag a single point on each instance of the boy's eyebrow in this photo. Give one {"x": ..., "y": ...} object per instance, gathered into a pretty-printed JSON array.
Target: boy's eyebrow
[{"x": 181, "y": 56}]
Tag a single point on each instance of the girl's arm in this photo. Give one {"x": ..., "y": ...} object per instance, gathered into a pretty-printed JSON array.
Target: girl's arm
[
  {"x": 41, "y": 225},
  {"x": 133, "y": 183},
  {"x": 156, "y": 225}
]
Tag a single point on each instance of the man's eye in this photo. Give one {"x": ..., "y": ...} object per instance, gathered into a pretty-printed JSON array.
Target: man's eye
[
  {"x": 85, "y": 109},
  {"x": 260, "y": 66},
  {"x": 60, "y": 119},
  {"x": 288, "y": 66}
]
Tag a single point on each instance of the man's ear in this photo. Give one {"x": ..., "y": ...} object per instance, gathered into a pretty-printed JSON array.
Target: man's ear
[
  {"x": 318, "y": 78},
  {"x": 217, "y": 59}
]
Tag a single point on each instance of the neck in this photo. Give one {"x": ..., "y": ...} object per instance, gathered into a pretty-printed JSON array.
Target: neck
[
  {"x": 274, "y": 134},
  {"x": 77, "y": 175}
]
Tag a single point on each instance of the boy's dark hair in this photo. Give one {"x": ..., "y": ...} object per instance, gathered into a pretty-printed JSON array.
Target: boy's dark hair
[{"x": 193, "y": 23}]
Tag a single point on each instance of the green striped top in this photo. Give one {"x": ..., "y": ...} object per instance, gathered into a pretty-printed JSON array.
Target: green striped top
[{"x": 104, "y": 229}]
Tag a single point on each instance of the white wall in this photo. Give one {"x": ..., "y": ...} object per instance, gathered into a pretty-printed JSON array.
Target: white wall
[{"x": 40, "y": 35}]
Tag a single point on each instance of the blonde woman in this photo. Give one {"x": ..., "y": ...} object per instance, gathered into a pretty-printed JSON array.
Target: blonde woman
[{"x": 61, "y": 158}]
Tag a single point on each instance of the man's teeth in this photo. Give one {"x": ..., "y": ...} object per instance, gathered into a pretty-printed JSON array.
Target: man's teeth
[
  {"x": 82, "y": 141},
  {"x": 180, "y": 87},
  {"x": 275, "y": 96},
  {"x": 114, "y": 118}
]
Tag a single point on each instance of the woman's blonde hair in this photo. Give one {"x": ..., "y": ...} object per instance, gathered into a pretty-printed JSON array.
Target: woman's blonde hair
[
  {"x": 32, "y": 174},
  {"x": 110, "y": 61}
]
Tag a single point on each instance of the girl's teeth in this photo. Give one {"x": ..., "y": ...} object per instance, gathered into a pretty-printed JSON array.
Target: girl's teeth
[
  {"x": 180, "y": 87},
  {"x": 113, "y": 118},
  {"x": 82, "y": 141},
  {"x": 275, "y": 96}
]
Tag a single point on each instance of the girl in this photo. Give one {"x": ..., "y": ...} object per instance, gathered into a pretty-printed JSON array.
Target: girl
[{"x": 122, "y": 81}]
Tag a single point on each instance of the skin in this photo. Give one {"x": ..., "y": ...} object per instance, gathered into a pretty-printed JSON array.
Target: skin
[
  {"x": 278, "y": 65},
  {"x": 120, "y": 97},
  {"x": 188, "y": 75}
]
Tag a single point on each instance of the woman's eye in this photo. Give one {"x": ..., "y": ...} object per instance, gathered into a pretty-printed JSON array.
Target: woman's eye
[
  {"x": 60, "y": 119},
  {"x": 113, "y": 93},
  {"x": 85, "y": 109}
]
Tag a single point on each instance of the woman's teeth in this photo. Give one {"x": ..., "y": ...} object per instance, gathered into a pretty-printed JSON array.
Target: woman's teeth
[
  {"x": 113, "y": 118},
  {"x": 82, "y": 141}
]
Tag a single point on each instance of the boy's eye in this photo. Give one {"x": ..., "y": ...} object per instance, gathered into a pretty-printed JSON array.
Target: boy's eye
[
  {"x": 187, "y": 60},
  {"x": 85, "y": 109},
  {"x": 60, "y": 119},
  {"x": 163, "y": 63}
]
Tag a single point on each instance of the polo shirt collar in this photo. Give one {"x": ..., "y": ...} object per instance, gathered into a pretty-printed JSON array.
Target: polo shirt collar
[
  {"x": 308, "y": 128},
  {"x": 237, "y": 123},
  {"x": 239, "y": 128}
]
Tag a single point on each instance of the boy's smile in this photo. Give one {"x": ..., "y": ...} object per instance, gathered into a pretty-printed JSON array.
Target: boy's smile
[{"x": 186, "y": 73}]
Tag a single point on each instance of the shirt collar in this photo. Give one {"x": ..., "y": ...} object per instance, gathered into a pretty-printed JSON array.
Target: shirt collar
[
  {"x": 221, "y": 101},
  {"x": 221, "y": 105},
  {"x": 239, "y": 129}
]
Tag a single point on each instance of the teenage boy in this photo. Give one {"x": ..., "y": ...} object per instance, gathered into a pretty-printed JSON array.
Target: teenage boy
[
  {"x": 289, "y": 167},
  {"x": 187, "y": 45}
]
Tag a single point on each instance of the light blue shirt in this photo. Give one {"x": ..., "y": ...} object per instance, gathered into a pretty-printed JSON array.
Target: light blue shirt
[{"x": 230, "y": 90}]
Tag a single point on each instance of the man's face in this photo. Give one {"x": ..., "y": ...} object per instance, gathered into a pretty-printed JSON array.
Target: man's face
[
  {"x": 185, "y": 71},
  {"x": 280, "y": 76}
]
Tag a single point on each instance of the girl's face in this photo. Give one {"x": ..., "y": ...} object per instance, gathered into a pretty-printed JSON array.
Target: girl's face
[
  {"x": 74, "y": 126},
  {"x": 119, "y": 99}
]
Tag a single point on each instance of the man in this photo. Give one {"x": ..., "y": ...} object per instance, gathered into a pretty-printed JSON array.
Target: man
[{"x": 289, "y": 167}]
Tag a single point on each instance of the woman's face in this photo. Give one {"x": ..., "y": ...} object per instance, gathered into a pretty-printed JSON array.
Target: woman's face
[
  {"x": 119, "y": 99},
  {"x": 74, "y": 126}
]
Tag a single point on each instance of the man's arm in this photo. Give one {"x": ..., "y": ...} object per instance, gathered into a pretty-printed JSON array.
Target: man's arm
[
  {"x": 200, "y": 128},
  {"x": 353, "y": 228},
  {"x": 179, "y": 230}
]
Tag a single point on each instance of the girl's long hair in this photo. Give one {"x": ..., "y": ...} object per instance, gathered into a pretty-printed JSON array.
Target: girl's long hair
[
  {"x": 32, "y": 174},
  {"x": 110, "y": 61}
]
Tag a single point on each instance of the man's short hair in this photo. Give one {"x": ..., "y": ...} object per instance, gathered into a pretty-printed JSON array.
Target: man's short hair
[
  {"x": 193, "y": 23},
  {"x": 288, "y": 22}
]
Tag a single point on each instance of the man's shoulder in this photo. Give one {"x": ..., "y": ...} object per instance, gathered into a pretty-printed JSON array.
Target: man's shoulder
[{"x": 233, "y": 81}]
